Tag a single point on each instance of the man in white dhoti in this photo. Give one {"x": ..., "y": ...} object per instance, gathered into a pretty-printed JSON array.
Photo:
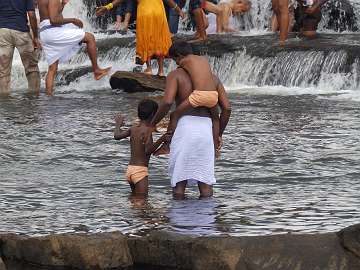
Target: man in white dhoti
[
  {"x": 192, "y": 154},
  {"x": 61, "y": 38}
]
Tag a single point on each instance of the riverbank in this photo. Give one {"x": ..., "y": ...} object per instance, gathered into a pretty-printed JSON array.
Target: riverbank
[{"x": 162, "y": 250}]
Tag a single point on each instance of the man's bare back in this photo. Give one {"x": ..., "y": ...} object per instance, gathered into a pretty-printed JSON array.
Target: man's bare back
[
  {"x": 199, "y": 70},
  {"x": 185, "y": 88}
]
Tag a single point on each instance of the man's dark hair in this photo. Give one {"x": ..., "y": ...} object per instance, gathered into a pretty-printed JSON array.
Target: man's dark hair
[
  {"x": 180, "y": 48},
  {"x": 147, "y": 109}
]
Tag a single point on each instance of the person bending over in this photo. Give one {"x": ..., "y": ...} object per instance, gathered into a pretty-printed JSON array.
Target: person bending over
[
  {"x": 61, "y": 38},
  {"x": 141, "y": 150}
]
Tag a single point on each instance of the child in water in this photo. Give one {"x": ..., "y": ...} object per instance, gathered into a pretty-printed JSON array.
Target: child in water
[
  {"x": 141, "y": 150},
  {"x": 205, "y": 93}
]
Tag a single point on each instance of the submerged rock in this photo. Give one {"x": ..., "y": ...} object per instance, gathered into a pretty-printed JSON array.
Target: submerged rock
[{"x": 82, "y": 251}]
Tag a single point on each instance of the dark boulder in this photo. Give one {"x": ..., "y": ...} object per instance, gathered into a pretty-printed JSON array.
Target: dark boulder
[{"x": 137, "y": 82}]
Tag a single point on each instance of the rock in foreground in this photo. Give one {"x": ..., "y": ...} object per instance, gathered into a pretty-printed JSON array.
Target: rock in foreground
[
  {"x": 163, "y": 250},
  {"x": 79, "y": 251}
]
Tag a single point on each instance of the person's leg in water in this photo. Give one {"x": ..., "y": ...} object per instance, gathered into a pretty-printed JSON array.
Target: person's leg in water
[
  {"x": 179, "y": 190},
  {"x": 281, "y": 10},
  {"x": 142, "y": 187},
  {"x": 160, "y": 60},
  {"x": 50, "y": 78},
  {"x": 206, "y": 190},
  {"x": 92, "y": 52}
]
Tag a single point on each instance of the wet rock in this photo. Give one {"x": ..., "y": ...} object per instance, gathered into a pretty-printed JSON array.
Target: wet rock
[
  {"x": 137, "y": 82},
  {"x": 83, "y": 251},
  {"x": 281, "y": 252},
  {"x": 350, "y": 239},
  {"x": 2, "y": 265}
]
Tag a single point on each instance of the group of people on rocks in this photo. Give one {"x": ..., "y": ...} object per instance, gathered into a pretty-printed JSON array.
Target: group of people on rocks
[
  {"x": 60, "y": 37},
  {"x": 194, "y": 135}
]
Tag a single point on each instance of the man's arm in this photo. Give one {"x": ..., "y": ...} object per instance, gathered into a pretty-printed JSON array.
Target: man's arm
[
  {"x": 34, "y": 28},
  {"x": 225, "y": 106},
  {"x": 55, "y": 16},
  {"x": 175, "y": 7},
  {"x": 168, "y": 99},
  {"x": 100, "y": 11},
  {"x": 118, "y": 133}
]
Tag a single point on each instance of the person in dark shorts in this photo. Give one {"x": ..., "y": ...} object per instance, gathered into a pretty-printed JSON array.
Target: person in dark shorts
[
  {"x": 124, "y": 13},
  {"x": 173, "y": 17},
  {"x": 308, "y": 16}
]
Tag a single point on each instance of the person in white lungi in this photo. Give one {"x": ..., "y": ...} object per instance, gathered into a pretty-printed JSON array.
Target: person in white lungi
[
  {"x": 61, "y": 38},
  {"x": 192, "y": 155}
]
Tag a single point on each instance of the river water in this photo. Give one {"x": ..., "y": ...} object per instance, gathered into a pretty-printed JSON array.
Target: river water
[{"x": 290, "y": 162}]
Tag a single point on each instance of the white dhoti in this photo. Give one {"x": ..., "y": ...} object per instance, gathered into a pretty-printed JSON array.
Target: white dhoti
[
  {"x": 192, "y": 154},
  {"x": 60, "y": 42}
]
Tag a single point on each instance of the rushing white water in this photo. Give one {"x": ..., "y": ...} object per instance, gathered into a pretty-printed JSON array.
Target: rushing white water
[{"x": 301, "y": 70}]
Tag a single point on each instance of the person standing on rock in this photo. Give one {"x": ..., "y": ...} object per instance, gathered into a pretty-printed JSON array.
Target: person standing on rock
[
  {"x": 61, "y": 38},
  {"x": 192, "y": 155},
  {"x": 15, "y": 33},
  {"x": 153, "y": 38},
  {"x": 281, "y": 11}
]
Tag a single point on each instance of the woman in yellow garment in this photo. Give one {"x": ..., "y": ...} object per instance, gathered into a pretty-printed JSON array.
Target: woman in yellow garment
[{"x": 153, "y": 38}]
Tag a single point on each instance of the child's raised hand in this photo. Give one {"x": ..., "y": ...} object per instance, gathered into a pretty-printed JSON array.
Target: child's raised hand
[{"x": 119, "y": 120}]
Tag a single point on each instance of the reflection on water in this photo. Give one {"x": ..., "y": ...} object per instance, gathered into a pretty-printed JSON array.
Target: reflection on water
[
  {"x": 193, "y": 216},
  {"x": 289, "y": 163}
]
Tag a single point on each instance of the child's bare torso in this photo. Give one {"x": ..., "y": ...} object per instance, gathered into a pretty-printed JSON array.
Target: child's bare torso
[
  {"x": 200, "y": 72},
  {"x": 138, "y": 134}
]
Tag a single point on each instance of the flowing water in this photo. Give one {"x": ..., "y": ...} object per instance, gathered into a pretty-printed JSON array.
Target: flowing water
[{"x": 290, "y": 162}]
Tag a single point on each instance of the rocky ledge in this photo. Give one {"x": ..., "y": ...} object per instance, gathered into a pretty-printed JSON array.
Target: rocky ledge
[{"x": 162, "y": 250}]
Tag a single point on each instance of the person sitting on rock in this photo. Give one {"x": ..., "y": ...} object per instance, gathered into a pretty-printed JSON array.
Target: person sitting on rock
[
  {"x": 308, "y": 16},
  {"x": 141, "y": 150}
]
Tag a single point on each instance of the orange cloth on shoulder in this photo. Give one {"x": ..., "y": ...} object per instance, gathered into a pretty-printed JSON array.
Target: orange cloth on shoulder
[
  {"x": 153, "y": 36},
  {"x": 207, "y": 99},
  {"x": 136, "y": 173}
]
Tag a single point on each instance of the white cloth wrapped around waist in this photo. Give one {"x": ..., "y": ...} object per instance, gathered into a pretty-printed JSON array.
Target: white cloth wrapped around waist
[
  {"x": 60, "y": 42},
  {"x": 192, "y": 154}
]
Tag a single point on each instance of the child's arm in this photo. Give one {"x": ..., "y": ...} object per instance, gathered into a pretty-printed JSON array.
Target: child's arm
[
  {"x": 118, "y": 133},
  {"x": 151, "y": 147}
]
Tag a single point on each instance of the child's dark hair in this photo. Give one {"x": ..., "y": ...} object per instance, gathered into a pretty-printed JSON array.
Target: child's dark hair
[
  {"x": 180, "y": 48},
  {"x": 147, "y": 109}
]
